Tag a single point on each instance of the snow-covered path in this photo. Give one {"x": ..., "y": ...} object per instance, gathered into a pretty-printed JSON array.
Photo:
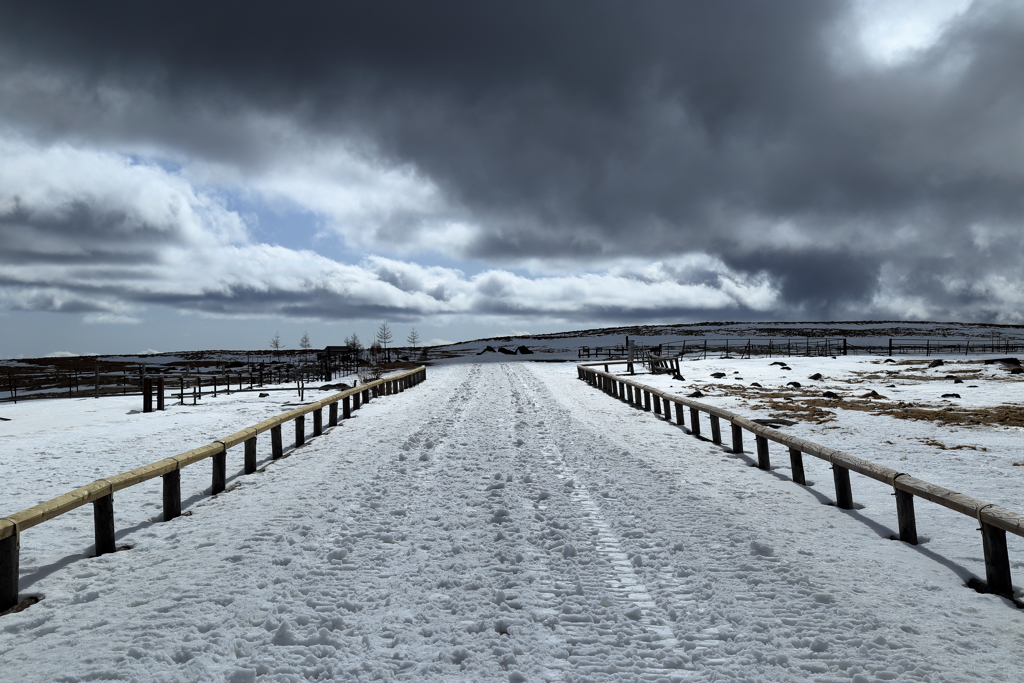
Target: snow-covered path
[{"x": 507, "y": 522}]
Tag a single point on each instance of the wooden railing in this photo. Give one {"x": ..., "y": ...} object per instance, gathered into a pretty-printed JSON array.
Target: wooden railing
[
  {"x": 100, "y": 492},
  {"x": 994, "y": 520}
]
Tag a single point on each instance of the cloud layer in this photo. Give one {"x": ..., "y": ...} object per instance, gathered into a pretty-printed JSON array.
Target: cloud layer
[{"x": 595, "y": 161}]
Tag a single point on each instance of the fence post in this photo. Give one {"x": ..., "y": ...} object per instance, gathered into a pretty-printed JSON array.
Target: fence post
[
  {"x": 318, "y": 421},
  {"x": 172, "y": 495},
  {"x": 332, "y": 415},
  {"x": 356, "y": 400},
  {"x": 737, "y": 439},
  {"x": 657, "y": 404},
  {"x": 250, "y": 455},
  {"x": 905, "y": 517},
  {"x": 763, "y": 460},
  {"x": 276, "y": 449},
  {"x": 9, "y": 571},
  {"x": 694, "y": 421},
  {"x": 716, "y": 429},
  {"x": 147, "y": 395},
  {"x": 103, "y": 524},
  {"x": 844, "y": 495},
  {"x": 679, "y": 415},
  {"x": 96, "y": 393},
  {"x": 647, "y": 400},
  {"x": 796, "y": 461},
  {"x": 300, "y": 430},
  {"x": 997, "y": 560},
  {"x": 160, "y": 394},
  {"x": 346, "y": 407},
  {"x": 220, "y": 466}
]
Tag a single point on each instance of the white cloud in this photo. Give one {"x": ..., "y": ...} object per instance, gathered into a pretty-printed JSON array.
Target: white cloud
[{"x": 110, "y": 319}]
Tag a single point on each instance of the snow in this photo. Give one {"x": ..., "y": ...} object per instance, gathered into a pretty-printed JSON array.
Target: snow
[{"x": 505, "y": 521}]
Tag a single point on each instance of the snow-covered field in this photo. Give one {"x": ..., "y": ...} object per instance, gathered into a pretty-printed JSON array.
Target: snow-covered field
[{"x": 507, "y": 522}]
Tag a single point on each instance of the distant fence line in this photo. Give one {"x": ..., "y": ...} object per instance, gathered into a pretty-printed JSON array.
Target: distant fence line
[
  {"x": 994, "y": 520},
  {"x": 702, "y": 347},
  {"x": 22, "y": 384},
  {"x": 101, "y": 492}
]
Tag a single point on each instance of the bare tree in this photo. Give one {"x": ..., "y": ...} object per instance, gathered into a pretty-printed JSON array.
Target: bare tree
[
  {"x": 275, "y": 343},
  {"x": 413, "y": 339},
  {"x": 305, "y": 345},
  {"x": 384, "y": 338}
]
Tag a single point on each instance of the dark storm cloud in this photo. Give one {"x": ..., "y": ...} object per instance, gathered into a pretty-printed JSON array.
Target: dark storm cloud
[{"x": 586, "y": 130}]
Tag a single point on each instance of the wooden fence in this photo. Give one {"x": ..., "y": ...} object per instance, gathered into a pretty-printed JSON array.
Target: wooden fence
[
  {"x": 994, "y": 520},
  {"x": 101, "y": 492}
]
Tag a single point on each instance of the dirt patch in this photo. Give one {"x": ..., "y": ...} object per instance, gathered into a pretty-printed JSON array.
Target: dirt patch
[
  {"x": 944, "y": 447},
  {"x": 21, "y": 606}
]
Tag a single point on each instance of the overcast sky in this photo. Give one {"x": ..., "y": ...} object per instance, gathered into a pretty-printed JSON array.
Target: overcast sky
[{"x": 178, "y": 175}]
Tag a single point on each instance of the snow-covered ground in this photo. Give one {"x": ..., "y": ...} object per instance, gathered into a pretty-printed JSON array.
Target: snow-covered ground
[{"x": 507, "y": 522}]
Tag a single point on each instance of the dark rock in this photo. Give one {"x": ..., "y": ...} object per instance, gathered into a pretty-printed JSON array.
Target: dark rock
[
  {"x": 774, "y": 422},
  {"x": 785, "y": 367},
  {"x": 888, "y": 360},
  {"x": 778, "y": 362},
  {"x": 935, "y": 363},
  {"x": 1016, "y": 371},
  {"x": 872, "y": 394},
  {"x": 816, "y": 376},
  {"x": 793, "y": 384},
  {"x": 755, "y": 384},
  {"x": 958, "y": 381},
  {"x": 950, "y": 377},
  {"x": 890, "y": 386},
  {"x": 1003, "y": 361},
  {"x": 340, "y": 386},
  {"x": 951, "y": 396},
  {"x": 832, "y": 394},
  {"x": 718, "y": 375},
  {"x": 486, "y": 349},
  {"x": 522, "y": 350},
  {"x": 508, "y": 352},
  {"x": 264, "y": 395},
  {"x": 695, "y": 394}
]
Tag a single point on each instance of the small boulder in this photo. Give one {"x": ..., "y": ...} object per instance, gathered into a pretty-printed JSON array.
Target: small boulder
[
  {"x": 486, "y": 350},
  {"x": 872, "y": 394},
  {"x": 958, "y": 381},
  {"x": 816, "y": 376},
  {"x": 264, "y": 395},
  {"x": 1016, "y": 371},
  {"x": 888, "y": 360},
  {"x": 508, "y": 352},
  {"x": 951, "y": 396},
  {"x": 718, "y": 375},
  {"x": 696, "y": 394},
  {"x": 755, "y": 384},
  {"x": 832, "y": 394},
  {"x": 522, "y": 350},
  {"x": 793, "y": 384},
  {"x": 935, "y": 363},
  {"x": 779, "y": 362}
]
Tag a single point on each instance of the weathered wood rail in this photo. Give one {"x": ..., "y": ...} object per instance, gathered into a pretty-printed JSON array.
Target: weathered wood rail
[
  {"x": 101, "y": 492},
  {"x": 994, "y": 521}
]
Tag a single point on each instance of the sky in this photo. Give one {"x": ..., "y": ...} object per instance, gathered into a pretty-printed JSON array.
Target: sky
[{"x": 190, "y": 175}]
